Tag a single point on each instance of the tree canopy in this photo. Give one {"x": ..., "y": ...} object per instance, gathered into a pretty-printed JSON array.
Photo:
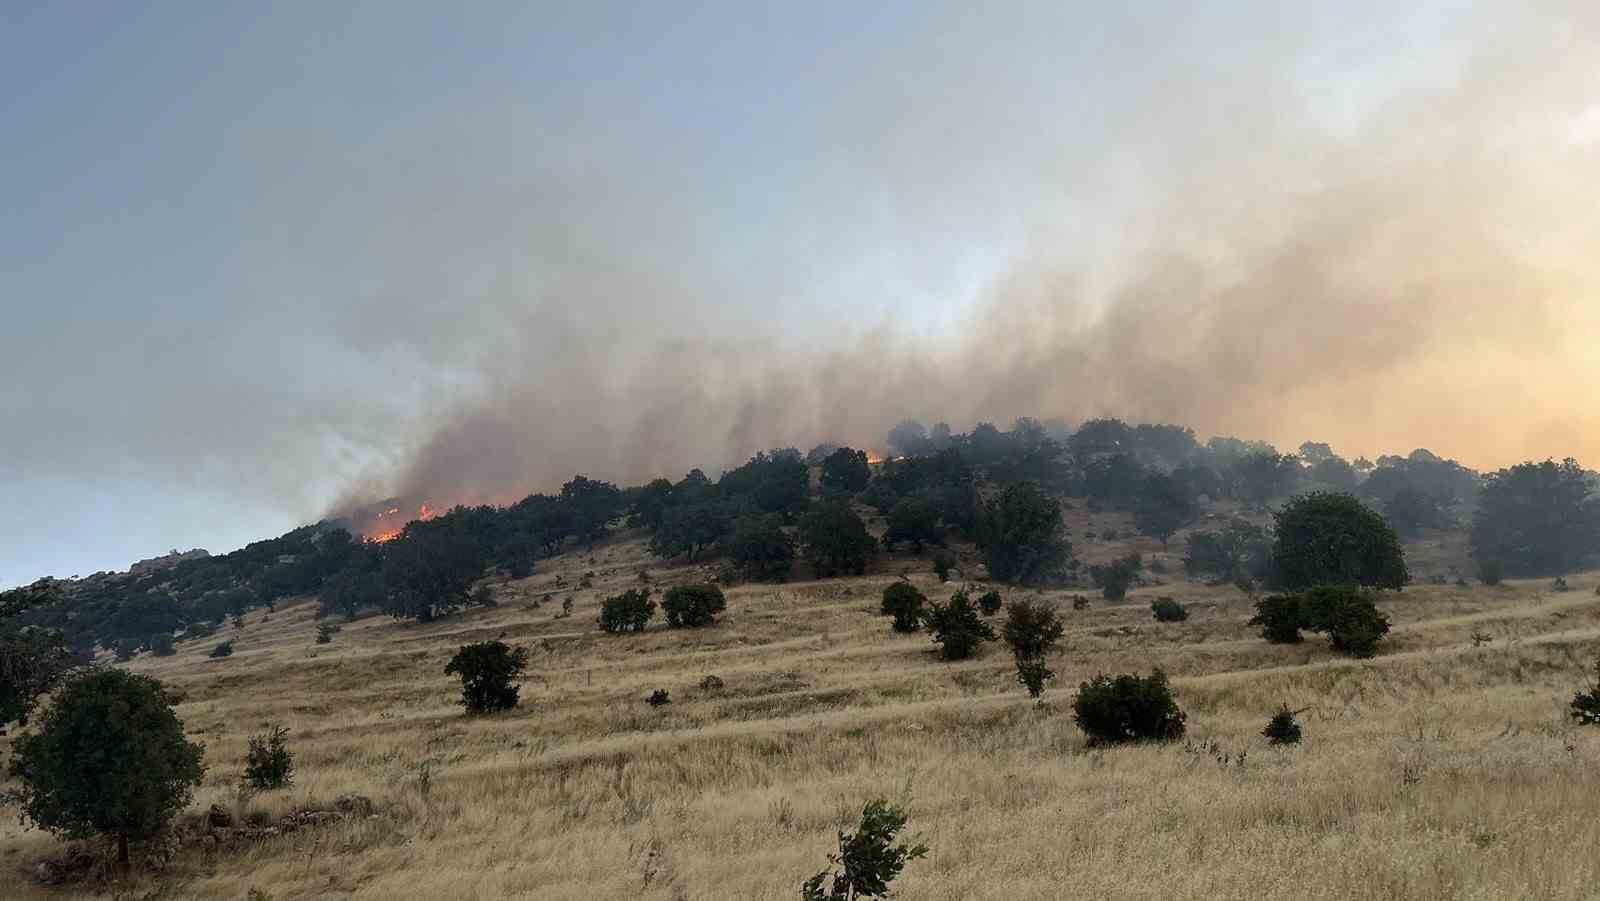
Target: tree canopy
[
  {"x": 1538, "y": 519},
  {"x": 109, "y": 757},
  {"x": 1020, "y": 535},
  {"x": 1334, "y": 539}
]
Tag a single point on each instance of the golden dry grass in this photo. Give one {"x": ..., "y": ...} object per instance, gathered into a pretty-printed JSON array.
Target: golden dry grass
[{"x": 1439, "y": 770}]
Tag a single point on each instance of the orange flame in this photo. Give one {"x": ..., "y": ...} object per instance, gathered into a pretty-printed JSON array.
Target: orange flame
[{"x": 383, "y": 529}]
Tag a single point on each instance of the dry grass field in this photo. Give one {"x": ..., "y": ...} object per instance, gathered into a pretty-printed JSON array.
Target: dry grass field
[{"x": 1438, "y": 770}]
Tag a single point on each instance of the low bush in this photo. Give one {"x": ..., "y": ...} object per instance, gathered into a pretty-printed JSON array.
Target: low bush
[
  {"x": 1167, "y": 610},
  {"x": 1586, "y": 704},
  {"x": 1280, "y": 618},
  {"x": 1032, "y": 630},
  {"x": 868, "y": 860},
  {"x": 1115, "y": 578},
  {"x": 906, "y": 604},
  {"x": 989, "y": 603},
  {"x": 629, "y": 611},
  {"x": 942, "y": 565},
  {"x": 692, "y": 606},
  {"x": 1283, "y": 728},
  {"x": 957, "y": 628},
  {"x": 659, "y": 697},
  {"x": 222, "y": 650},
  {"x": 269, "y": 764},
  {"x": 160, "y": 644},
  {"x": 325, "y": 632},
  {"x": 1128, "y": 708},
  {"x": 1347, "y": 614}
]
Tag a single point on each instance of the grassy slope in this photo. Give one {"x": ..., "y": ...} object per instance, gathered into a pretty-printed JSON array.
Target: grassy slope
[{"x": 1438, "y": 770}]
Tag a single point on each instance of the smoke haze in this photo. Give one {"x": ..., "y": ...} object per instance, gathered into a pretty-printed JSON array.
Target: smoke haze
[{"x": 476, "y": 256}]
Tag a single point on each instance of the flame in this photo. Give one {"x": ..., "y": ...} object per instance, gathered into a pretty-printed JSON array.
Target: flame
[{"x": 382, "y": 528}]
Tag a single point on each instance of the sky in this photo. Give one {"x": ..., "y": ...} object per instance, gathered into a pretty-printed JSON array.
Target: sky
[{"x": 260, "y": 262}]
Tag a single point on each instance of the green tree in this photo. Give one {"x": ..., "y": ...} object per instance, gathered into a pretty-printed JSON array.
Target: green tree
[
  {"x": 1538, "y": 519},
  {"x": 1020, "y": 536},
  {"x": 594, "y": 505},
  {"x": 1164, "y": 507},
  {"x": 1264, "y": 475},
  {"x": 957, "y": 628},
  {"x": 629, "y": 611},
  {"x": 761, "y": 549},
  {"x": 688, "y": 529},
  {"x": 692, "y": 606},
  {"x": 32, "y": 658},
  {"x": 906, "y": 604},
  {"x": 1334, "y": 539},
  {"x": 348, "y": 591},
  {"x": 109, "y": 758},
  {"x": 913, "y": 519},
  {"x": 836, "y": 540},
  {"x": 1239, "y": 548},
  {"x": 868, "y": 860},
  {"x": 429, "y": 570},
  {"x": 488, "y": 670},
  {"x": 1032, "y": 630},
  {"x": 846, "y": 470}
]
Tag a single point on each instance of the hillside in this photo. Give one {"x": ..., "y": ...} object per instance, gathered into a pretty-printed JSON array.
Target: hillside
[{"x": 1440, "y": 769}]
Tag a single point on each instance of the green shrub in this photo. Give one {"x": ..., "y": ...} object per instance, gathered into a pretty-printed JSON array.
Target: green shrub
[
  {"x": 629, "y": 611},
  {"x": 957, "y": 628},
  {"x": 1280, "y": 618},
  {"x": 659, "y": 697},
  {"x": 1167, "y": 610},
  {"x": 325, "y": 632},
  {"x": 1080, "y": 602},
  {"x": 1283, "y": 728},
  {"x": 487, "y": 670},
  {"x": 269, "y": 763},
  {"x": 1586, "y": 704},
  {"x": 989, "y": 603},
  {"x": 222, "y": 650},
  {"x": 942, "y": 564},
  {"x": 1115, "y": 578},
  {"x": 906, "y": 604},
  {"x": 692, "y": 606},
  {"x": 868, "y": 860},
  {"x": 160, "y": 644},
  {"x": 1347, "y": 614},
  {"x": 1032, "y": 630},
  {"x": 124, "y": 649},
  {"x": 1128, "y": 708}
]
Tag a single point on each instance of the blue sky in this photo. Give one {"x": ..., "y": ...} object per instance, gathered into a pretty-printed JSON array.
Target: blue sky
[{"x": 258, "y": 258}]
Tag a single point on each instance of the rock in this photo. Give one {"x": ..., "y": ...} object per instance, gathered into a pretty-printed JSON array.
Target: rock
[{"x": 219, "y": 817}]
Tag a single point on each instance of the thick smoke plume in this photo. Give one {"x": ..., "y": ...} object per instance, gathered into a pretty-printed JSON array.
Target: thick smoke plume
[{"x": 1402, "y": 259}]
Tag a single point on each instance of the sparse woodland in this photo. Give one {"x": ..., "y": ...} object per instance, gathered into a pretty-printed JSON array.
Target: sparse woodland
[{"x": 1073, "y": 708}]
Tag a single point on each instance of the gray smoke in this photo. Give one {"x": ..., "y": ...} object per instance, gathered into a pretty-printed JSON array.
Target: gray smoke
[{"x": 1228, "y": 229}]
